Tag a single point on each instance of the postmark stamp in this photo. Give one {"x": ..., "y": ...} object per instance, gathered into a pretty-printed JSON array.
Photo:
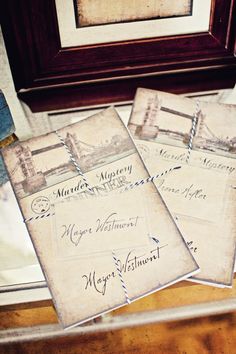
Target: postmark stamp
[{"x": 40, "y": 205}]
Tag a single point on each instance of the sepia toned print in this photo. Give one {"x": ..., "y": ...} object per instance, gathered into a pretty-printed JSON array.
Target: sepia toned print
[
  {"x": 83, "y": 285},
  {"x": 201, "y": 197},
  {"x": 44, "y": 162},
  {"x": 156, "y": 122},
  {"x": 216, "y": 132},
  {"x": 98, "y": 12},
  {"x": 156, "y": 117}
]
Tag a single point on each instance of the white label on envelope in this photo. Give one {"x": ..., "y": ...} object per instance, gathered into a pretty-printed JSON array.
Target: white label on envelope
[{"x": 100, "y": 224}]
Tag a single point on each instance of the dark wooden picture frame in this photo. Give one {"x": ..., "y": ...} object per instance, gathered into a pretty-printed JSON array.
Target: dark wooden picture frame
[{"x": 47, "y": 76}]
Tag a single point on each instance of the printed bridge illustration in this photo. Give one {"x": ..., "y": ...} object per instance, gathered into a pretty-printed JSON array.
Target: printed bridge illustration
[{"x": 32, "y": 179}]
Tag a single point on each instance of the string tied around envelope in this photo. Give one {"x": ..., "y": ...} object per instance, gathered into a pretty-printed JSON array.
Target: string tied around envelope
[
  {"x": 137, "y": 183},
  {"x": 149, "y": 179},
  {"x": 130, "y": 186},
  {"x": 193, "y": 130},
  {"x": 91, "y": 190},
  {"x": 74, "y": 161},
  {"x": 121, "y": 278}
]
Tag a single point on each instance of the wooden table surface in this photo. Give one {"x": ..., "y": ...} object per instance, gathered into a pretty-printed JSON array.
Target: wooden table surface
[{"x": 214, "y": 334}]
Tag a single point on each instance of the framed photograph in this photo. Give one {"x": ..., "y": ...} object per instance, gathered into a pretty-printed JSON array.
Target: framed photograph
[
  {"x": 81, "y": 53},
  {"x": 91, "y": 22}
]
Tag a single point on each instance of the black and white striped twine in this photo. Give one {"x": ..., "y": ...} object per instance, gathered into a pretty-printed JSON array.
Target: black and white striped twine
[
  {"x": 137, "y": 183},
  {"x": 193, "y": 131},
  {"x": 74, "y": 161},
  {"x": 39, "y": 217},
  {"x": 91, "y": 190},
  {"x": 149, "y": 179},
  {"x": 130, "y": 186},
  {"x": 121, "y": 278}
]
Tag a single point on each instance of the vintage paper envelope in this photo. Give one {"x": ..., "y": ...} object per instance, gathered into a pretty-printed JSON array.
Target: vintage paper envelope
[
  {"x": 201, "y": 195},
  {"x": 46, "y": 170}
]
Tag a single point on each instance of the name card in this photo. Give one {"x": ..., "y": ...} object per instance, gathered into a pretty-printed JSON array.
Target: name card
[{"x": 99, "y": 224}]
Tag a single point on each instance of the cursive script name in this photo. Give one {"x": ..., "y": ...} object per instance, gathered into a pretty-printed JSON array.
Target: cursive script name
[
  {"x": 74, "y": 234},
  {"x": 111, "y": 223},
  {"x": 98, "y": 283},
  {"x": 191, "y": 192},
  {"x": 131, "y": 263}
]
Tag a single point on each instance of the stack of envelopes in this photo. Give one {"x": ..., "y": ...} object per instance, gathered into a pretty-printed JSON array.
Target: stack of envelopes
[{"x": 112, "y": 221}]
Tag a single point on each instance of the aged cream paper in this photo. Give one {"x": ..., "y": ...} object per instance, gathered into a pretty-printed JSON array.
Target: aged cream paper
[
  {"x": 42, "y": 173},
  {"x": 99, "y": 12},
  {"x": 200, "y": 196}
]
